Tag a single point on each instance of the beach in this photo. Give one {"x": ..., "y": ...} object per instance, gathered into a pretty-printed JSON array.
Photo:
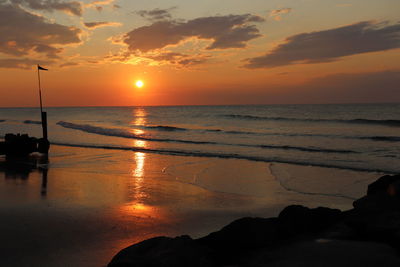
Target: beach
[{"x": 98, "y": 201}]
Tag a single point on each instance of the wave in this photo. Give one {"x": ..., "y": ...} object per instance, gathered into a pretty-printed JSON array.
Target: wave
[
  {"x": 122, "y": 133},
  {"x": 227, "y": 156},
  {"x": 234, "y": 132},
  {"x": 381, "y": 138},
  {"x": 394, "y": 123},
  {"x": 372, "y": 138},
  {"x": 173, "y": 128},
  {"x": 308, "y": 149},
  {"x": 127, "y": 134},
  {"x": 32, "y": 122},
  {"x": 165, "y": 128}
]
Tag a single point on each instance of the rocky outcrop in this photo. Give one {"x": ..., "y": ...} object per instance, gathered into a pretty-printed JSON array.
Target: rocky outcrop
[
  {"x": 368, "y": 235},
  {"x": 163, "y": 251}
]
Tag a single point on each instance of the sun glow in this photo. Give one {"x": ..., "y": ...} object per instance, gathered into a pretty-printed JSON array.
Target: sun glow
[{"x": 139, "y": 83}]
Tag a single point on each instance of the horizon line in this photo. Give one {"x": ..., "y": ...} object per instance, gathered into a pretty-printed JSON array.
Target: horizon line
[{"x": 207, "y": 105}]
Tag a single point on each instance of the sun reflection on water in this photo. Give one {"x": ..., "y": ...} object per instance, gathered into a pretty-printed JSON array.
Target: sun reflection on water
[
  {"x": 138, "y": 167},
  {"x": 138, "y": 171},
  {"x": 139, "y": 157}
]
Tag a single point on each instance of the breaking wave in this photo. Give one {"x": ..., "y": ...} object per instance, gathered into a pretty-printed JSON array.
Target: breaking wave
[
  {"x": 121, "y": 133},
  {"x": 32, "y": 122},
  {"x": 225, "y": 155},
  {"x": 395, "y": 123},
  {"x": 165, "y": 128},
  {"x": 126, "y": 134}
]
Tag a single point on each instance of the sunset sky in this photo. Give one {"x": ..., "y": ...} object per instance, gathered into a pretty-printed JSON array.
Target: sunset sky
[{"x": 199, "y": 52}]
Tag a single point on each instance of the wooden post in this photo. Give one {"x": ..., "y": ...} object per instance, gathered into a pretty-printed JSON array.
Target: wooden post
[{"x": 44, "y": 124}]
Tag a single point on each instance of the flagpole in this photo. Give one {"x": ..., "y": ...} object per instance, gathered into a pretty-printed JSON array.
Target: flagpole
[
  {"x": 43, "y": 114},
  {"x": 40, "y": 90}
]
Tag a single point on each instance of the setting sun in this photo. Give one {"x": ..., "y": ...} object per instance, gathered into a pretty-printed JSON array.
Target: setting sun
[{"x": 139, "y": 84}]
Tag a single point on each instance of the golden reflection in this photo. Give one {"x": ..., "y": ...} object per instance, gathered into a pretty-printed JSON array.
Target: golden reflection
[
  {"x": 138, "y": 172},
  {"x": 139, "y": 157},
  {"x": 137, "y": 131},
  {"x": 139, "y": 143},
  {"x": 140, "y": 116},
  {"x": 139, "y": 210}
]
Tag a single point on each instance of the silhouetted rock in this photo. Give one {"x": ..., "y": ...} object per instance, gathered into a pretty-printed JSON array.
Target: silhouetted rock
[
  {"x": 368, "y": 235},
  {"x": 328, "y": 253},
  {"x": 297, "y": 219},
  {"x": 385, "y": 184},
  {"x": 245, "y": 233},
  {"x": 382, "y": 195},
  {"x": 163, "y": 251},
  {"x": 230, "y": 244}
]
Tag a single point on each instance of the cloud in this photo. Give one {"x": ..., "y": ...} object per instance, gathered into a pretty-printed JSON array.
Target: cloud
[
  {"x": 70, "y": 7},
  {"x": 277, "y": 13},
  {"x": 232, "y": 31},
  {"x": 98, "y": 4},
  {"x": 25, "y": 63},
  {"x": 94, "y": 25},
  {"x": 22, "y": 33},
  {"x": 178, "y": 59},
  {"x": 156, "y": 14},
  {"x": 330, "y": 45},
  {"x": 69, "y": 64}
]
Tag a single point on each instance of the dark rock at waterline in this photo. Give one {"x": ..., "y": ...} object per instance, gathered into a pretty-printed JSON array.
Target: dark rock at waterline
[
  {"x": 386, "y": 184},
  {"x": 180, "y": 251},
  {"x": 297, "y": 219},
  {"x": 245, "y": 233},
  {"x": 232, "y": 243},
  {"x": 382, "y": 195},
  {"x": 328, "y": 253},
  {"x": 368, "y": 235}
]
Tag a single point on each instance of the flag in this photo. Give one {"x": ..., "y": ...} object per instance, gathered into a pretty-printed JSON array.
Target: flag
[{"x": 41, "y": 68}]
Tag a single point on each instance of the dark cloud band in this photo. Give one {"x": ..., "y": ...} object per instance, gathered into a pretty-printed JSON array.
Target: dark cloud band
[
  {"x": 330, "y": 45},
  {"x": 71, "y": 7}
]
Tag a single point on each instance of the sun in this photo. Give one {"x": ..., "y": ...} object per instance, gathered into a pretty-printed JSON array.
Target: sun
[{"x": 139, "y": 83}]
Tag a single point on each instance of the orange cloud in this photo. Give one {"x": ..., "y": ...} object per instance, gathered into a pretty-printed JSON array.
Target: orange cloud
[
  {"x": 232, "y": 31},
  {"x": 94, "y": 25},
  {"x": 277, "y": 13},
  {"x": 22, "y": 33}
]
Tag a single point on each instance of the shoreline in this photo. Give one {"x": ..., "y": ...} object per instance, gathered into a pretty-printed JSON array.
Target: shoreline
[{"x": 99, "y": 201}]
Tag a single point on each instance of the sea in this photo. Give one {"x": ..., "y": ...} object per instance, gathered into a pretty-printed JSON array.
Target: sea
[{"x": 361, "y": 137}]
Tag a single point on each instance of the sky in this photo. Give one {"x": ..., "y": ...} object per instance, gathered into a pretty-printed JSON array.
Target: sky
[{"x": 209, "y": 52}]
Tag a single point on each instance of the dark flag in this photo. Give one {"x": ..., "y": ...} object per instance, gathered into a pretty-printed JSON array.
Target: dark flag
[{"x": 41, "y": 68}]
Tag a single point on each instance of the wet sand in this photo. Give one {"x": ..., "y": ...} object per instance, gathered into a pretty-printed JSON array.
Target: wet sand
[{"x": 95, "y": 202}]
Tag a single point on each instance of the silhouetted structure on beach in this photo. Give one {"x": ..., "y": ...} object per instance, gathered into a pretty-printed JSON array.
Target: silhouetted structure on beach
[
  {"x": 22, "y": 144},
  {"x": 19, "y": 168}
]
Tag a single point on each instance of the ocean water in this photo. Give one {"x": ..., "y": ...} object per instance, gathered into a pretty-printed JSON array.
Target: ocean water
[{"x": 362, "y": 137}]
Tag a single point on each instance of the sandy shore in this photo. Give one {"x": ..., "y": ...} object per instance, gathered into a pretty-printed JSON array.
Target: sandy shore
[{"x": 95, "y": 202}]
